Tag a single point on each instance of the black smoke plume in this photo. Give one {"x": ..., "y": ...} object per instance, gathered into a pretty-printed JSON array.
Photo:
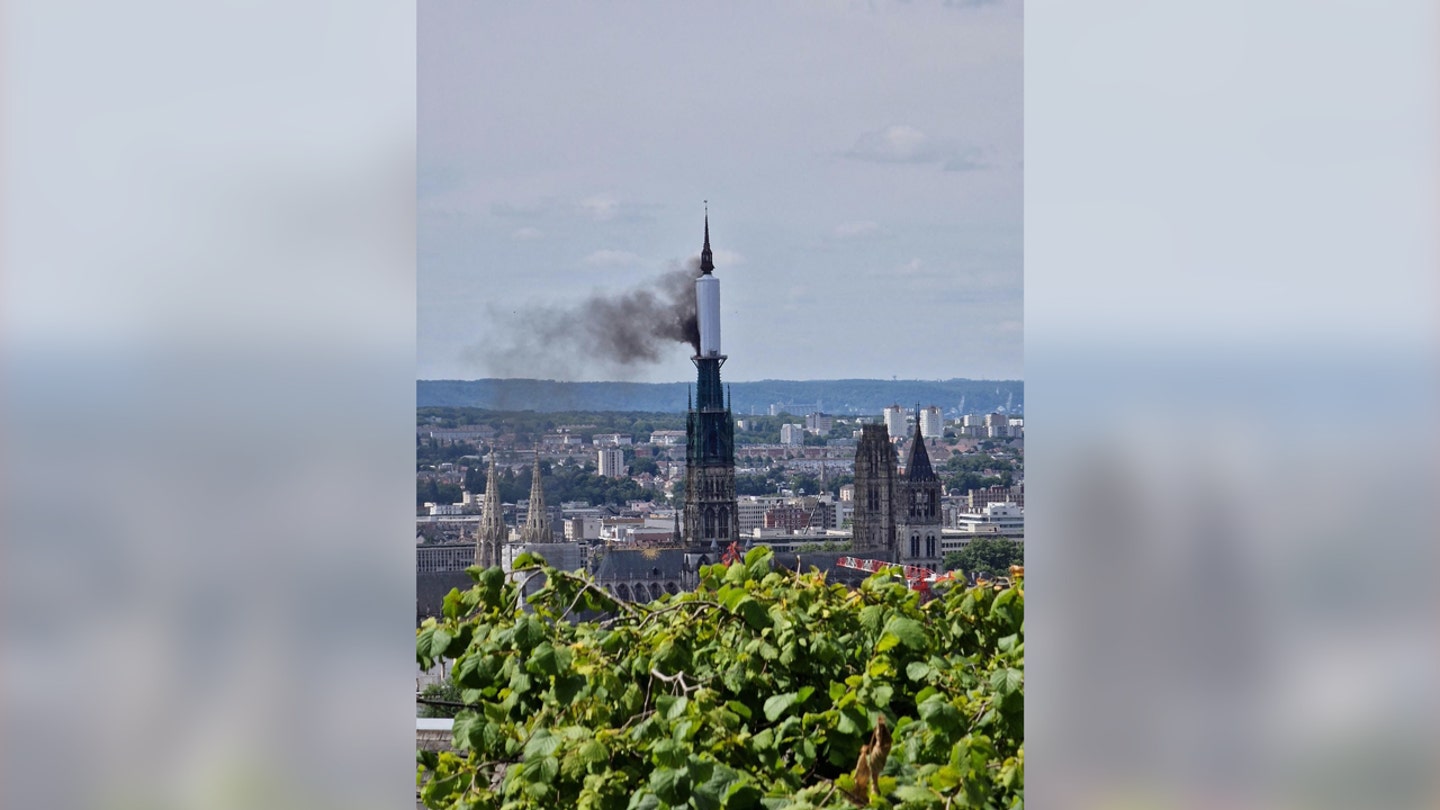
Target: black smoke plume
[{"x": 611, "y": 333}]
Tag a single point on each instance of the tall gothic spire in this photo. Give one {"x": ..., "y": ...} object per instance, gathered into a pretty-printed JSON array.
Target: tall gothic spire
[
  {"x": 537, "y": 521},
  {"x": 917, "y": 466},
  {"x": 492, "y": 523},
  {"x": 707, "y": 261}
]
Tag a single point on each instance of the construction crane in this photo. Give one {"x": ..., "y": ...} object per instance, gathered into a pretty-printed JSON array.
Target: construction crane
[
  {"x": 917, "y": 577},
  {"x": 732, "y": 554}
]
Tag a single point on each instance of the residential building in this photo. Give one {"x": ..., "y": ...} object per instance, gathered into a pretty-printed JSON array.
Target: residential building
[
  {"x": 612, "y": 462},
  {"x": 819, "y": 423},
  {"x": 932, "y": 424},
  {"x": 895, "y": 421},
  {"x": 792, "y": 434}
]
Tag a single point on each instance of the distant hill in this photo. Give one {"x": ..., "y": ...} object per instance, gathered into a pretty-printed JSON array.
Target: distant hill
[{"x": 799, "y": 396}]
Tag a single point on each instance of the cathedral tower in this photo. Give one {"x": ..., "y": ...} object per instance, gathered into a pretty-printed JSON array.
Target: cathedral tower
[
  {"x": 874, "y": 521},
  {"x": 710, "y": 505},
  {"x": 919, "y": 524}
]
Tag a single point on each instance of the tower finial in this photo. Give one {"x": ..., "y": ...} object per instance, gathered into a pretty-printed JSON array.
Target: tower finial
[{"x": 707, "y": 261}]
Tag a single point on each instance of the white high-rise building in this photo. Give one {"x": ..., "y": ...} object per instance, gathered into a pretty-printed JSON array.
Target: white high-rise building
[
  {"x": 612, "y": 463},
  {"x": 895, "y": 422},
  {"x": 792, "y": 434},
  {"x": 932, "y": 426}
]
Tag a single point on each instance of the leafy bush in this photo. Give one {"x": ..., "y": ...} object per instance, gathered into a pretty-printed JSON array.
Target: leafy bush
[{"x": 761, "y": 688}]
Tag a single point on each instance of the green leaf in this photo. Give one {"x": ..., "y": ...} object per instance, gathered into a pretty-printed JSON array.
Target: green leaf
[
  {"x": 644, "y": 800},
  {"x": 672, "y": 785},
  {"x": 776, "y": 705},
  {"x": 917, "y": 670},
  {"x": 592, "y": 752},
  {"x": 910, "y": 632},
  {"x": 450, "y": 607},
  {"x": 742, "y": 796},
  {"x": 543, "y": 744},
  {"x": 738, "y": 708},
  {"x": 467, "y": 729},
  {"x": 917, "y": 794},
  {"x": 1007, "y": 680}
]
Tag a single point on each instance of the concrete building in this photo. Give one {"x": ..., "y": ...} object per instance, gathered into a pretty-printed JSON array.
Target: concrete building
[
  {"x": 668, "y": 438},
  {"x": 995, "y": 520},
  {"x": 895, "y": 421},
  {"x": 792, "y": 434},
  {"x": 819, "y": 423},
  {"x": 581, "y": 528},
  {"x": 977, "y": 499},
  {"x": 612, "y": 439},
  {"x": 932, "y": 424},
  {"x": 997, "y": 426},
  {"x": 612, "y": 462},
  {"x": 751, "y": 510},
  {"x": 447, "y": 557}
]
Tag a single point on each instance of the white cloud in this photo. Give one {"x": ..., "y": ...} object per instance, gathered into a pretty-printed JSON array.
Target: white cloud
[
  {"x": 727, "y": 258},
  {"x": 914, "y": 267},
  {"x": 527, "y": 233},
  {"x": 613, "y": 258},
  {"x": 856, "y": 230},
  {"x": 601, "y": 207},
  {"x": 899, "y": 143}
]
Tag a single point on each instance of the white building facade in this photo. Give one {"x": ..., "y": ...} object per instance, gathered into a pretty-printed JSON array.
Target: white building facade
[{"x": 612, "y": 463}]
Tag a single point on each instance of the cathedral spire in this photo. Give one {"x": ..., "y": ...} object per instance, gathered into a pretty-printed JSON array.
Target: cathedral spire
[
  {"x": 492, "y": 530},
  {"x": 917, "y": 466},
  {"x": 537, "y": 520},
  {"x": 707, "y": 261}
]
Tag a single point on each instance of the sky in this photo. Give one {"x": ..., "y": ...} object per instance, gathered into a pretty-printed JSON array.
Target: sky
[{"x": 862, "y": 163}]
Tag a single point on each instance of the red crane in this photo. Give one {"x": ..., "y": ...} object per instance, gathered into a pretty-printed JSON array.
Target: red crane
[
  {"x": 732, "y": 554},
  {"x": 917, "y": 577}
]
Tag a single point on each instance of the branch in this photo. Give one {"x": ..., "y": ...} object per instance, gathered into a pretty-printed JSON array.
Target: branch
[{"x": 678, "y": 605}]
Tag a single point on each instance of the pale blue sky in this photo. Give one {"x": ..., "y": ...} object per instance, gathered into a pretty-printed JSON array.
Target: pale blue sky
[{"x": 863, "y": 163}]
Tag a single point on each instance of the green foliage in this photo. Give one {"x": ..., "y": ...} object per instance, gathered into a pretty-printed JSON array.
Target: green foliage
[
  {"x": 756, "y": 690},
  {"x": 987, "y": 555},
  {"x": 444, "y": 691}
]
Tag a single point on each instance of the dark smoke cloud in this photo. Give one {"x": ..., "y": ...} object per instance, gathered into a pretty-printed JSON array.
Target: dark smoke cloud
[{"x": 616, "y": 333}]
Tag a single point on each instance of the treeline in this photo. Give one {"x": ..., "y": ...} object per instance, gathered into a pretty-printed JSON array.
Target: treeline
[
  {"x": 564, "y": 482},
  {"x": 530, "y": 426},
  {"x": 836, "y": 396}
]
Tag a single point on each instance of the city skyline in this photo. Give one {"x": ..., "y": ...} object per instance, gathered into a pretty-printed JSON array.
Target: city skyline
[{"x": 862, "y": 166}]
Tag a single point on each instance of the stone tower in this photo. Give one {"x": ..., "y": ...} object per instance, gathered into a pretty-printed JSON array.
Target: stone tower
[
  {"x": 711, "y": 516},
  {"x": 537, "y": 521},
  {"x": 918, "y": 518},
  {"x": 874, "y": 520},
  {"x": 492, "y": 532}
]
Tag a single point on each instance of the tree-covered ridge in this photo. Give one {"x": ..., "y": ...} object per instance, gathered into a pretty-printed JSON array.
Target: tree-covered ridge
[
  {"x": 761, "y": 688},
  {"x": 838, "y": 396}
]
